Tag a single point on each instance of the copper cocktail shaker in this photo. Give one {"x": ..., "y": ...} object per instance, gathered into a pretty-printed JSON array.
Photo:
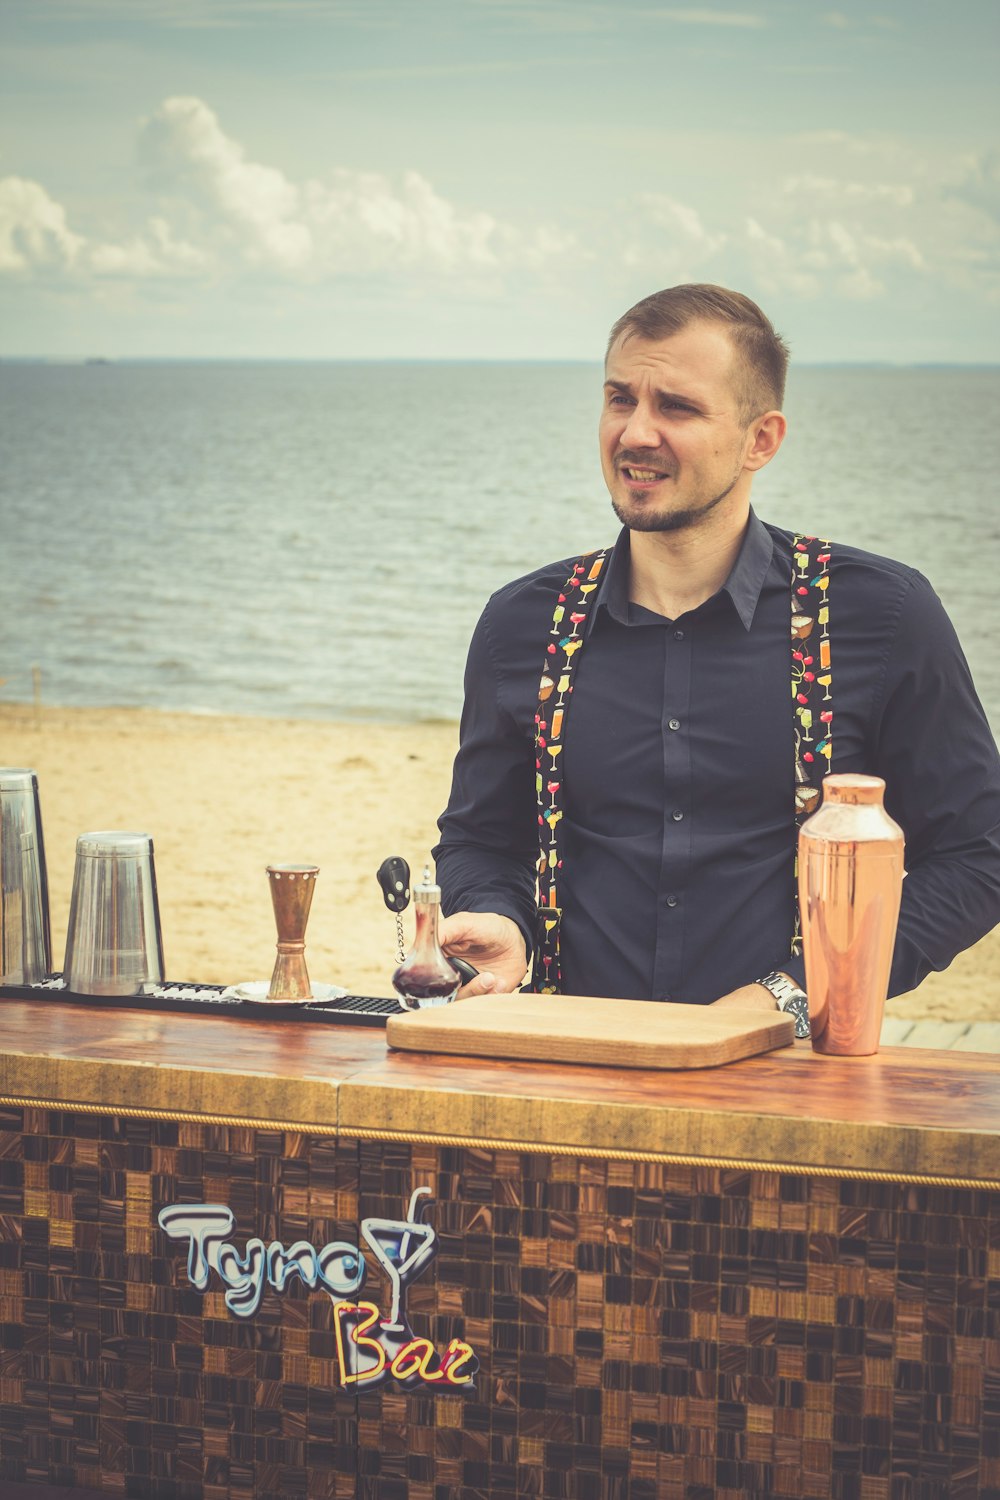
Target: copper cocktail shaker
[{"x": 850, "y": 881}]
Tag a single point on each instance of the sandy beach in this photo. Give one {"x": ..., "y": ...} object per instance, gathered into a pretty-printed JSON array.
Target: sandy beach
[{"x": 223, "y": 797}]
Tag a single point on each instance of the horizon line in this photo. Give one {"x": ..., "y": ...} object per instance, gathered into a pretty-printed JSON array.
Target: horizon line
[{"x": 100, "y": 361}]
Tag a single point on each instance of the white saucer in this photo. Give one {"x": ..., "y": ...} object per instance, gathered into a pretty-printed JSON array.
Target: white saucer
[{"x": 255, "y": 993}]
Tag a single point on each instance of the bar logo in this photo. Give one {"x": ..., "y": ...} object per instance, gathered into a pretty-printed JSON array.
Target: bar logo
[{"x": 371, "y": 1350}]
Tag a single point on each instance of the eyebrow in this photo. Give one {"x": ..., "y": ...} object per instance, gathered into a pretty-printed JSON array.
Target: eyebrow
[{"x": 623, "y": 387}]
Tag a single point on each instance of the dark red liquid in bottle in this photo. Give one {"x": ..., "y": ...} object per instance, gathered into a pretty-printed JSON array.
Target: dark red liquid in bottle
[{"x": 416, "y": 984}]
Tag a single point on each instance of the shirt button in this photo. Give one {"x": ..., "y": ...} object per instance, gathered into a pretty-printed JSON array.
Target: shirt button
[
  {"x": 677, "y": 816},
  {"x": 671, "y": 900},
  {"x": 678, "y": 635},
  {"x": 673, "y": 723}
]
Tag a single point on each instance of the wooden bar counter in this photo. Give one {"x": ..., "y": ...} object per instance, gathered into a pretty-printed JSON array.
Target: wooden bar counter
[{"x": 777, "y": 1278}]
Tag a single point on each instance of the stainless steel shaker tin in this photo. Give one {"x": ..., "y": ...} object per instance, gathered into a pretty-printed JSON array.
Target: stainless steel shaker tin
[
  {"x": 120, "y": 845},
  {"x": 17, "y": 779},
  {"x": 113, "y": 944},
  {"x": 25, "y": 940}
]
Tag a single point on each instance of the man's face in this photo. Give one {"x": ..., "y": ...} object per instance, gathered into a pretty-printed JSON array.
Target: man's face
[{"x": 673, "y": 441}]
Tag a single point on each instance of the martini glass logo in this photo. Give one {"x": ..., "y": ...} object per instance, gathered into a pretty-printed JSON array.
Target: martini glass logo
[{"x": 371, "y": 1349}]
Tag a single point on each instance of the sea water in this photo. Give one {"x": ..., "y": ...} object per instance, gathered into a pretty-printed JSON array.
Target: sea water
[{"x": 316, "y": 540}]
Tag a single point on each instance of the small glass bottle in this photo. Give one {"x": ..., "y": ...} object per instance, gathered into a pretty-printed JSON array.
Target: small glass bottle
[{"x": 426, "y": 976}]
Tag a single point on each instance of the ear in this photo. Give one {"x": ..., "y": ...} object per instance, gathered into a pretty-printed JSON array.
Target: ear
[{"x": 764, "y": 438}]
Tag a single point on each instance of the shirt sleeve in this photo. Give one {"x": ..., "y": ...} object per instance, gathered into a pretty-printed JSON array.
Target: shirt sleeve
[
  {"x": 486, "y": 857},
  {"x": 939, "y": 760}
]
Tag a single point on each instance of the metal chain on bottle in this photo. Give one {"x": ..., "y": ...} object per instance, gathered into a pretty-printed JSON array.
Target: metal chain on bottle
[{"x": 393, "y": 876}]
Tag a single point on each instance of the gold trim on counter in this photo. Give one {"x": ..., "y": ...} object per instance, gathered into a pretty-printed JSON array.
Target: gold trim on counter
[
  {"x": 595, "y": 1153},
  {"x": 177, "y": 1116}
]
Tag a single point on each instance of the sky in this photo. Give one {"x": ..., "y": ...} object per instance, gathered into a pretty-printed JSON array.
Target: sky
[{"x": 493, "y": 179}]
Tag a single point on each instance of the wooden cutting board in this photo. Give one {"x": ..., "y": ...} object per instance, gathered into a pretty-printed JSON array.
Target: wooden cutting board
[{"x": 586, "y": 1029}]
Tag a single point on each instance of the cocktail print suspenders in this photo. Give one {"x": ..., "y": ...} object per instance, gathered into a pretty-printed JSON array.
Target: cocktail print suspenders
[
  {"x": 812, "y": 689},
  {"x": 562, "y": 653},
  {"x": 812, "y": 723}
]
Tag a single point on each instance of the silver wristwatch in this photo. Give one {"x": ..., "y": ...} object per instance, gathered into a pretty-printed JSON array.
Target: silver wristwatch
[{"x": 790, "y": 999}]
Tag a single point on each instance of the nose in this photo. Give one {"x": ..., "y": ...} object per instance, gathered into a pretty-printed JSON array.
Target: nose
[{"x": 640, "y": 431}]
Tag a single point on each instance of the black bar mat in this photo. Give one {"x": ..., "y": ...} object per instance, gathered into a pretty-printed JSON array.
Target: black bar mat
[{"x": 211, "y": 1000}]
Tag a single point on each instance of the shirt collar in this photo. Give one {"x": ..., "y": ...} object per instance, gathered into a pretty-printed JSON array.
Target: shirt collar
[{"x": 743, "y": 585}]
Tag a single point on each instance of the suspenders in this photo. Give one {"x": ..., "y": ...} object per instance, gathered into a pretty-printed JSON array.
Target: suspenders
[
  {"x": 812, "y": 693},
  {"x": 812, "y": 723},
  {"x": 562, "y": 653}
]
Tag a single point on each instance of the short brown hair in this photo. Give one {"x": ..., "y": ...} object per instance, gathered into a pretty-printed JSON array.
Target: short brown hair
[{"x": 763, "y": 353}]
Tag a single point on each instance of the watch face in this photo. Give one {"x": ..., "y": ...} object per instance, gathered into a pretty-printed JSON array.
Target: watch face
[{"x": 798, "y": 1007}]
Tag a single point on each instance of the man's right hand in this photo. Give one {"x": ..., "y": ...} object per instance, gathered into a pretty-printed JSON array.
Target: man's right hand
[{"x": 492, "y": 944}]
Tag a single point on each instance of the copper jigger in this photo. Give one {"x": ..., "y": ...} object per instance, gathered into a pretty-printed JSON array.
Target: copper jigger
[
  {"x": 850, "y": 882},
  {"x": 292, "y": 889}
]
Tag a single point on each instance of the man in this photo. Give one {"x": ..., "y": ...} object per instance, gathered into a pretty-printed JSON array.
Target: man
[{"x": 678, "y": 765}]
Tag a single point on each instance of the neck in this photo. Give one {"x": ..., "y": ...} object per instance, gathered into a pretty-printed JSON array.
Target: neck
[{"x": 674, "y": 571}]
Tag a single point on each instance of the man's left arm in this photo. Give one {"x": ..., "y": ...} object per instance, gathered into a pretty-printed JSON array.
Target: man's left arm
[
  {"x": 932, "y": 745},
  {"x": 939, "y": 760}
]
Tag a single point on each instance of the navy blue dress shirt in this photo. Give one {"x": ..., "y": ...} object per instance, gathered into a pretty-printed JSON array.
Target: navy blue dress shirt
[{"x": 677, "y": 770}]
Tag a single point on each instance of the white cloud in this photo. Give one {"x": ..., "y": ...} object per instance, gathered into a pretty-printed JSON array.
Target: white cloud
[
  {"x": 156, "y": 254},
  {"x": 218, "y": 210},
  {"x": 858, "y": 144},
  {"x": 349, "y": 222},
  {"x": 667, "y": 239},
  {"x": 840, "y": 216},
  {"x": 776, "y": 264},
  {"x": 681, "y": 220},
  {"x": 220, "y": 14},
  {"x": 360, "y": 220},
  {"x": 187, "y": 153},
  {"x": 846, "y": 253},
  {"x": 842, "y": 22},
  {"x": 573, "y": 16},
  {"x": 777, "y": 249},
  {"x": 909, "y": 209},
  {"x": 739, "y": 18},
  {"x": 809, "y": 184},
  {"x": 899, "y": 250},
  {"x": 980, "y": 184},
  {"x": 827, "y": 253},
  {"x": 34, "y": 234},
  {"x": 819, "y": 254},
  {"x": 35, "y": 237},
  {"x": 683, "y": 233},
  {"x": 468, "y": 69}
]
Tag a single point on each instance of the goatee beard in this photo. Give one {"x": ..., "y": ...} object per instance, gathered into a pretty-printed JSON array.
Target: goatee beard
[{"x": 670, "y": 520}]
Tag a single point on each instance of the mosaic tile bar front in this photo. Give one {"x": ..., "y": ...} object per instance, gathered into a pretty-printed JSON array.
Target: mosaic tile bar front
[{"x": 643, "y": 1331}]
